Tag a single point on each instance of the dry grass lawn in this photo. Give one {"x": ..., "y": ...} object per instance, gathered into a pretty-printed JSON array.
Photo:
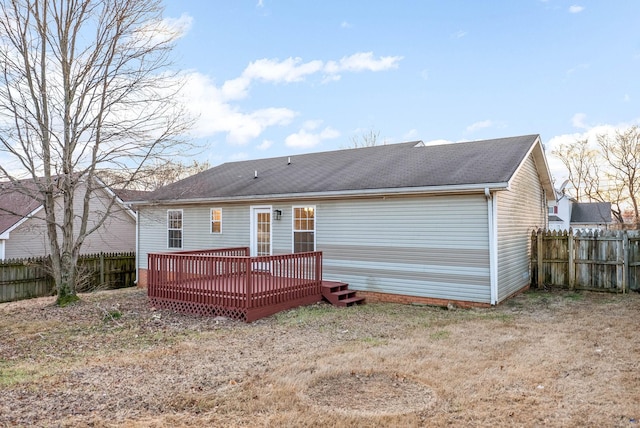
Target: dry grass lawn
[{"x": 541, "y": 359}]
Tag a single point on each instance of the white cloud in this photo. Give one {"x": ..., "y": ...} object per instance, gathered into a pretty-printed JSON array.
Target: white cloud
[
  {"x": 235, "y": 89},
  {"x": 480, "y": 125},
  {"x": 362, "y": 61},
  {"x": 216, "y": 115},
  {"x": 218, "y": 110},
  {"x": 459, "y": 34},
  {"x": 163, "y": 30},
  {"x": 558, "y": 170},
  {"x": 424, "y": 74},
  {"x": 626, "y": 98},
  {"x": 180, "y": 26},
  {"x": 345, "y": 24},
  {"x": 578, "y": 121},
  {"x": 264, "y": 145},
  {"x": 410, "y": 135},
  {"x": 288, "y": 70},
  {"x": 575, "y": 8},
  {"x": 306, "y": 138},
  {"x": 260, "y": 3}
]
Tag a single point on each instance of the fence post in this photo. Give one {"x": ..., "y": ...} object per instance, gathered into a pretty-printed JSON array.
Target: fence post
[
  {"x": 571, "y": 260},
  {"x": 625, "y": 261},
  {"x": 540, "y": 255},
  {"x": 101, "y": 268}
]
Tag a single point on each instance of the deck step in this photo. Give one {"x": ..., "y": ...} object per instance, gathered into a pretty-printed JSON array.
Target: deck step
[{"x": 338, "y": 294}]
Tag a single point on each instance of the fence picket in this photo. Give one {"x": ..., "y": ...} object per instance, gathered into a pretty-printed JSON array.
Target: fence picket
[
  {"x": 592, "y": 260},
  {"x": 28, "y": 278}
]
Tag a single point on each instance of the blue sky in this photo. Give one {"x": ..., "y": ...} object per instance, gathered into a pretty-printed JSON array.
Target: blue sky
[{"x": 271, "y": 78}]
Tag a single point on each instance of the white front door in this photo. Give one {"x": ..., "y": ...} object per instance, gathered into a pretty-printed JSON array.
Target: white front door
[{"x": 260, "y": 231}]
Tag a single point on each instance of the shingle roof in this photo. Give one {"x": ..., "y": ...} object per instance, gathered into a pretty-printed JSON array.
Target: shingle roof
[
  {"x": 591, "y": 212},
  {"x": 130, "y": 194},
  {"x": 404, "y": 165},
  {"x": 18, "y": 201},
  {"x": 14, "y": 206}
]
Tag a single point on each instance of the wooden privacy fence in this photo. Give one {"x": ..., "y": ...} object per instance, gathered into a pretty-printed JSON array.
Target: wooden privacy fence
[
  {"x": 27, "y": 278},
  {"x": 594, "y": 260}
]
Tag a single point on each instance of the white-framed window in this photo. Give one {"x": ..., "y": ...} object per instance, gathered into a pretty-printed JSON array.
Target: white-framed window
[
  {"x": 216, "y": 220},
  {"x": 553, "y": 209},
  {"x": 304, "y": 229},
  {"x": 174, "y": 228}
]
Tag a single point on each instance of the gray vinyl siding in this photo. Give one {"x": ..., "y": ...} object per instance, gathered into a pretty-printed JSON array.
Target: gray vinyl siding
[
  {"x": 196, "y": 229},
  {"x": 520, "y": 210},
  {"x": 116, "y": 234},
  {"x": 432, "y": 246},
  {"x": 435, "y": 246}
]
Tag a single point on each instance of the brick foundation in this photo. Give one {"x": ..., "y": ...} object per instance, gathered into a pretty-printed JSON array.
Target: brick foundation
[
  {"x": 374, "y": 297},
  {"x": 142, "y": 278}
]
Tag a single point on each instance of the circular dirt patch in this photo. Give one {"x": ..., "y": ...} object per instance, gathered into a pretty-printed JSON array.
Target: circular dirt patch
[{"x": 370, "y": 393}]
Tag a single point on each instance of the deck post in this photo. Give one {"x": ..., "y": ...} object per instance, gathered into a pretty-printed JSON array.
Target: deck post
[{"x": 249, "y": 276}]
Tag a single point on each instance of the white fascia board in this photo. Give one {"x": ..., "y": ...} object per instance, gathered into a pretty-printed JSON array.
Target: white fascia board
[
  {"x": 5, "y": 234},
  {"x": 542, "y": 167},
  {"x": 401, "y": 191}
]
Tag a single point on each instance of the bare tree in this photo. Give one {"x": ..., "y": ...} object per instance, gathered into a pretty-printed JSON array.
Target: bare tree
[
  {"x": 84, "y": 86},
  {"x": 156, "y": 174},
  {"x": 369, "y": 138},
  {"x": 622, "y": 155},
  {"x": 581, "y": 163},
  {"x": 608, "y": 172}
]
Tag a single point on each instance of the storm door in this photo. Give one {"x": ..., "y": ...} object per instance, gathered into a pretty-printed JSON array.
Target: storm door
[{"x": 260, "y": 231}]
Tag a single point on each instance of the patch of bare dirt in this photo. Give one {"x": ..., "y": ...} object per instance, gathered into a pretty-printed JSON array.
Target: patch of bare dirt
[
  {"x": 370, "y": 393},
  {"x": 553, "y": 358}
]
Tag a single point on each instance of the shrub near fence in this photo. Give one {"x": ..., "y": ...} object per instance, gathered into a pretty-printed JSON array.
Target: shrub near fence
[
  {"x": 594, "y": 260},
  {"x": 27, "y": 278}
]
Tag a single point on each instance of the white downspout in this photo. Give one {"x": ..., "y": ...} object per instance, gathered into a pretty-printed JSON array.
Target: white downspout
[
  {"x": 492, "y": 215},
  {"x": 137, "y": 250}
]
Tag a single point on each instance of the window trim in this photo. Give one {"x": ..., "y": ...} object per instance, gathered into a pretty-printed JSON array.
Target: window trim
[
  {"x": 294, "y": 230},
  {"x": 181, "y": 229},
  {"x": 211, "y": 221}
]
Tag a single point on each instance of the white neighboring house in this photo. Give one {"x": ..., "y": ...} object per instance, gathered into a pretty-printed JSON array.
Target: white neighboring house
[
  {"x": 565, "y": 212},
  {"x": 23, "y": 229}
]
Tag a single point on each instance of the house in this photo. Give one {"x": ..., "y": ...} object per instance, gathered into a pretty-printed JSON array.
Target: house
[
  {"x": 565, "y": 212},
  {"x": 400, "y": 222},
  {"x": 23, "y": 228}
]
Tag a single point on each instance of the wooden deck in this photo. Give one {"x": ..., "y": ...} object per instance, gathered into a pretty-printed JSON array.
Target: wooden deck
[{"x": 227, "y": 282}]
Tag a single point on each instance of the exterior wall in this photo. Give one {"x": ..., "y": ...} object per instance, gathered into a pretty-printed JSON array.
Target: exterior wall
[
  {"x": 196, "y": 229},
  {"x": 520, "y": 211},
  {"x": 435, "y": 246},
  {"x": 117, "y": 234}
]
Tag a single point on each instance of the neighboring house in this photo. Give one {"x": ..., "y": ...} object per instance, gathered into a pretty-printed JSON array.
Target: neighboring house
[
  {"x": 400, "y": 222},
  {"x": 565, "y": 212},
  {"x": 23, "y": 228}
]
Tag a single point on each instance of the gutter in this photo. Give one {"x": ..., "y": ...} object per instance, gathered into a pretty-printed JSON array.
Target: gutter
[
  {"x": 492, "y": 217},
  {"x": 400, "y": 191}
]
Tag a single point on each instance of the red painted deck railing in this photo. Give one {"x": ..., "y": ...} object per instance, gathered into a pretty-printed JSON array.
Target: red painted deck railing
[{"x": 229, "y": 282}]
